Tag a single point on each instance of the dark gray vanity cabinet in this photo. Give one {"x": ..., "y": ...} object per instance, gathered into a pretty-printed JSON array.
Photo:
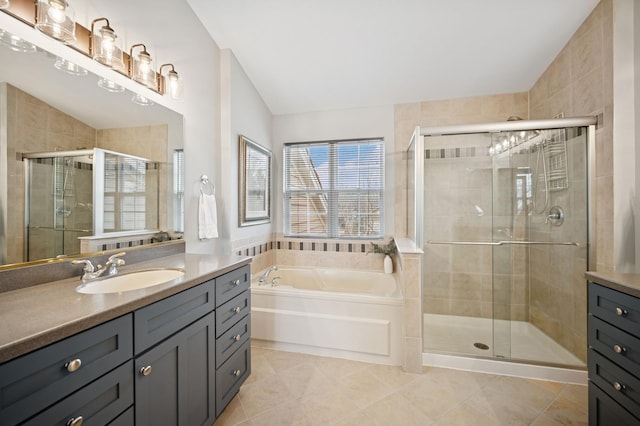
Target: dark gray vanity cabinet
[
  {"x": 614, "y": 356},
  {"x": 175, "y": 359},
  {"x": 233, "y": 330},
  {"x": 178, "y": 361},
  {"x": 87, "y": 376}
]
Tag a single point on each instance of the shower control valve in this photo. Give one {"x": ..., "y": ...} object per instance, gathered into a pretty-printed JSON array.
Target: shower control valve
[{"x": 555, "y": 216}]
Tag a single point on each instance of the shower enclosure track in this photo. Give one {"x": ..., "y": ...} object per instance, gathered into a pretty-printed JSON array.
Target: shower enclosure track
[{"x": 500, "y": 243}]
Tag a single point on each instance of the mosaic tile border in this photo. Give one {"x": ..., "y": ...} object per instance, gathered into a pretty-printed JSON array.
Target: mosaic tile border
[{"x": 307, "y": 245}]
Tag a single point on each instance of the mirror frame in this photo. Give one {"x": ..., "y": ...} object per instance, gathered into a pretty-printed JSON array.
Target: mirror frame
[{"x": 248, "y": 149}]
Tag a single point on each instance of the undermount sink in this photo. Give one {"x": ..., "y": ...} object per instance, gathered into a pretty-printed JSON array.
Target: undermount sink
[{"x": 130, "y": 281}]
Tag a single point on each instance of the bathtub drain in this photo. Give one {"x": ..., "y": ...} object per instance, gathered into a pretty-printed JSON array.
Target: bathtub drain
[{"x": 481, "y": 346}]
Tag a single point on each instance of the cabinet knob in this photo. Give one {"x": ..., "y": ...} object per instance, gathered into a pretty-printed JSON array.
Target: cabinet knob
[
  {"x": 619, "y": 349},
  {"x": 237, "y": 337},
  {"x": 145, "y": 371},
  {"x": 618, "y": 386},
  {"x": 236, "y": 309},
  {"x": 237, "y": 373},
  {"x": 236, "y": 283},
  {"x": 73, "y": 365},
  {"x": 621, "y": 312},
  {"x": 76, "y": 421}
]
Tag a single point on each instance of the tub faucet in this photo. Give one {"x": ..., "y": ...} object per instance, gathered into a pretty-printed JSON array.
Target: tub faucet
[
  {"x": 264, "y": 276},
  {"x": 91, "y": 272}
]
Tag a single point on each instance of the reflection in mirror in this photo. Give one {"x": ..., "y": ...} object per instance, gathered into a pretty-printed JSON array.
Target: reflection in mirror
[{"x": 43, "y": 109}]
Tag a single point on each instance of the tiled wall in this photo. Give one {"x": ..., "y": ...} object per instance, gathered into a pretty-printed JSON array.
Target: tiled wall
[{"x": 578, "y": 82}]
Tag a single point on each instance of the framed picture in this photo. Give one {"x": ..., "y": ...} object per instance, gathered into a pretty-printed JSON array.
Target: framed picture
[{"x": 255, "y": 183}]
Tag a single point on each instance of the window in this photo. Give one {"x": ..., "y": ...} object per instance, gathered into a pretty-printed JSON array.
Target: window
[
  {"x": 178, "y": 190},
  {"x": 334, "y": 189}
]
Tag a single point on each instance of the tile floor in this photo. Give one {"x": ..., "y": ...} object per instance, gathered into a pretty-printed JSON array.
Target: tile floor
[{"x": 295, "y": 389}]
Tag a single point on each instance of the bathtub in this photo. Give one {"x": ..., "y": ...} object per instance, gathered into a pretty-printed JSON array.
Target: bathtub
[{"x": 349, "y": 314}]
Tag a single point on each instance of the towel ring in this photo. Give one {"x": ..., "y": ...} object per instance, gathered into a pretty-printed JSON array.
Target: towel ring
[{"x": 207, "y": 185}]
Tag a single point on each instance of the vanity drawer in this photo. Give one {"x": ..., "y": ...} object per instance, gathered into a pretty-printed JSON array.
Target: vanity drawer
[
  {"x": 618, "y": 383},
  {"x": 232, "y": 284},
  {"x": 97, "y": 403},
  {"x": 160, "y": 320},
  {"x": 232, "y": 312},
  {"x": 619, "y": 309},
  {"x": 604, "y": 411},
  {"x": 620, "y": 347},
  {"x": 231, "y": 375},
  {"x": 35, "y": 381},
  {"x": 232, "y": 339}
]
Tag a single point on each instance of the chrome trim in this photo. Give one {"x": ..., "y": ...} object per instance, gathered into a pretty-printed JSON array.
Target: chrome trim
[
  {"x": 507, "y": 242},
  {"x": 509, "y": 126}
]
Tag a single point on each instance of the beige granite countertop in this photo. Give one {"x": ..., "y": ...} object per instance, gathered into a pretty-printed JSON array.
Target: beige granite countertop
[
  {"x": 626, "y": 283},
  {"x": 36, "y": 316}
]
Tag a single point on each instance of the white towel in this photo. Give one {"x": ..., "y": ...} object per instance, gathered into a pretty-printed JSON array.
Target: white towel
[{"x": 207, "y": 217}]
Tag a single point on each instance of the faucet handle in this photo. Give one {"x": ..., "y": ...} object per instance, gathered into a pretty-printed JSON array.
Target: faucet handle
[
  {"x": 113, "y": 257},
  {"x": 88, "y": 266}
]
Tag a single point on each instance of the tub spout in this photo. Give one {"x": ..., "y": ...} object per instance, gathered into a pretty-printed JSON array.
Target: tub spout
[{"x": 263, "y": 277}]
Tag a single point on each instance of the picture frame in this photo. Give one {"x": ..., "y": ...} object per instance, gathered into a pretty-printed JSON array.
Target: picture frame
[{"x": 254, "y": 183}]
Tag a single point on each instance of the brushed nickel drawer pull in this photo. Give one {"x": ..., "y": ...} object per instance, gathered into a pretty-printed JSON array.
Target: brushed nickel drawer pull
[
  {"x": 619, "y": 387},
  {"x": 237, "y": 373},
  {"x": 236, "y": 309},
  {"x": 236, "y": 283},
  {"x": 621, "y": 312},
  {"x": 75, "y": 421},
  {"x": 145, "y": 371},
  {"x": 619, "y": 349},
  {"x": 73, "y": 365},
  {"x": 237, "y": 337}
]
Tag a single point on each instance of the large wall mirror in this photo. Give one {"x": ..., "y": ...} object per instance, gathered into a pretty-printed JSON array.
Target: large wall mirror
[{"x": 46, "y": 110}]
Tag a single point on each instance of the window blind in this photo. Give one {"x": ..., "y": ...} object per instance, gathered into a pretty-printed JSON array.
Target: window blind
[
  {"x": 334, "y": 189},
  {"x": 178, "y": 190}
]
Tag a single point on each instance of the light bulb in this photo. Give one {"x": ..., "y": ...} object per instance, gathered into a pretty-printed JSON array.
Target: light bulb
[{"x": 57, "y": 11}]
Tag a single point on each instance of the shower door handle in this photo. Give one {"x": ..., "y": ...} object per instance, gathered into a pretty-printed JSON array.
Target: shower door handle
[{"x": 508, "y": 242}]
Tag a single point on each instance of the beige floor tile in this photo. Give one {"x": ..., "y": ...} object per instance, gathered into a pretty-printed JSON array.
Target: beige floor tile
[
  {"x": 363, "y": 388},
  {"x": 306, "y": 379},
  {"x": 576, "y": 393},
  {"x": 281, "y": 361},
  {"x": 232, "y": 415},
  {"x": 359, "y": 418},
  {"x": 328, "y": 408},
  {"x": 467, "y": 415},
  {"x": 563, "y": 412},
  {"x": 393, "y": 377},
  {"x": 396, "y": 410},
  {"x": 337, "y": 369},
  {"x": 264, "y": 394},
  {"x": 288, "y": 413}
]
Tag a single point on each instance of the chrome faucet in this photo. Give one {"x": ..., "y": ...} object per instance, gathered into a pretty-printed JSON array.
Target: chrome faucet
[
  {"x": 110, "y": 268},
  {"x": 264, "y": 276}
]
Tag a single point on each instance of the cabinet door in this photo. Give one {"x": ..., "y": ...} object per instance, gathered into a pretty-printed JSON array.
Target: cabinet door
[
  {"x": 604, "y": 411},
  {"x": 175, "y": 380}
]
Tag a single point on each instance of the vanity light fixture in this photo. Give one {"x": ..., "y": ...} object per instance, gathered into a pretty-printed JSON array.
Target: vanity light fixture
[
  {"x": 69, "y": 67},
  {"x": 171, "y": 84},
  {"x": 104, "y": 46},
  {"x": 56, "y": 19},
  {"x": 16, "y": 43},
  {"x": 141, "y": 67},
  {"x": 110, "y": 85},
  {"x": 4, "y": 4}
]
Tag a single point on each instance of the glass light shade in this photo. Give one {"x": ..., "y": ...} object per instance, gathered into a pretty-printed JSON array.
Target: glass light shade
[
  {"x": 174, "y": 86},
  {"x": 56, "y": 19},
  {"x": 110, "y": 85},
  {"x": 141, "y": 100},
  {"x": 106, "y": 48},
  {"x": 69, "y": 67},
  {"x": 15, "y": 43},
  {"x": 143, "y": 70},
  {"x": 4, "y": 4}
]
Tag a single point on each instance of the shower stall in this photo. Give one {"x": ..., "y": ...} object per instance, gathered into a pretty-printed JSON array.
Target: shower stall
[
  {"x": 83, "y": 193},
  {"x": 501, "y": 211}
]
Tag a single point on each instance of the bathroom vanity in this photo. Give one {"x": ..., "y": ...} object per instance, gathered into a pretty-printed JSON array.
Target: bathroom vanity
[
  {"x": 614, "y": 348},
  {"x": 175, "y": 353}
]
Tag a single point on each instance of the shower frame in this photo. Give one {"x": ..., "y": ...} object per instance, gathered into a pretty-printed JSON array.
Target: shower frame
[{"x": 415, "y": 224}]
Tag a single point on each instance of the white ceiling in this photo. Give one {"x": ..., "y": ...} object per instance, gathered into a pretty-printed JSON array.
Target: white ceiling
[{"x": 305, "y": 55}]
